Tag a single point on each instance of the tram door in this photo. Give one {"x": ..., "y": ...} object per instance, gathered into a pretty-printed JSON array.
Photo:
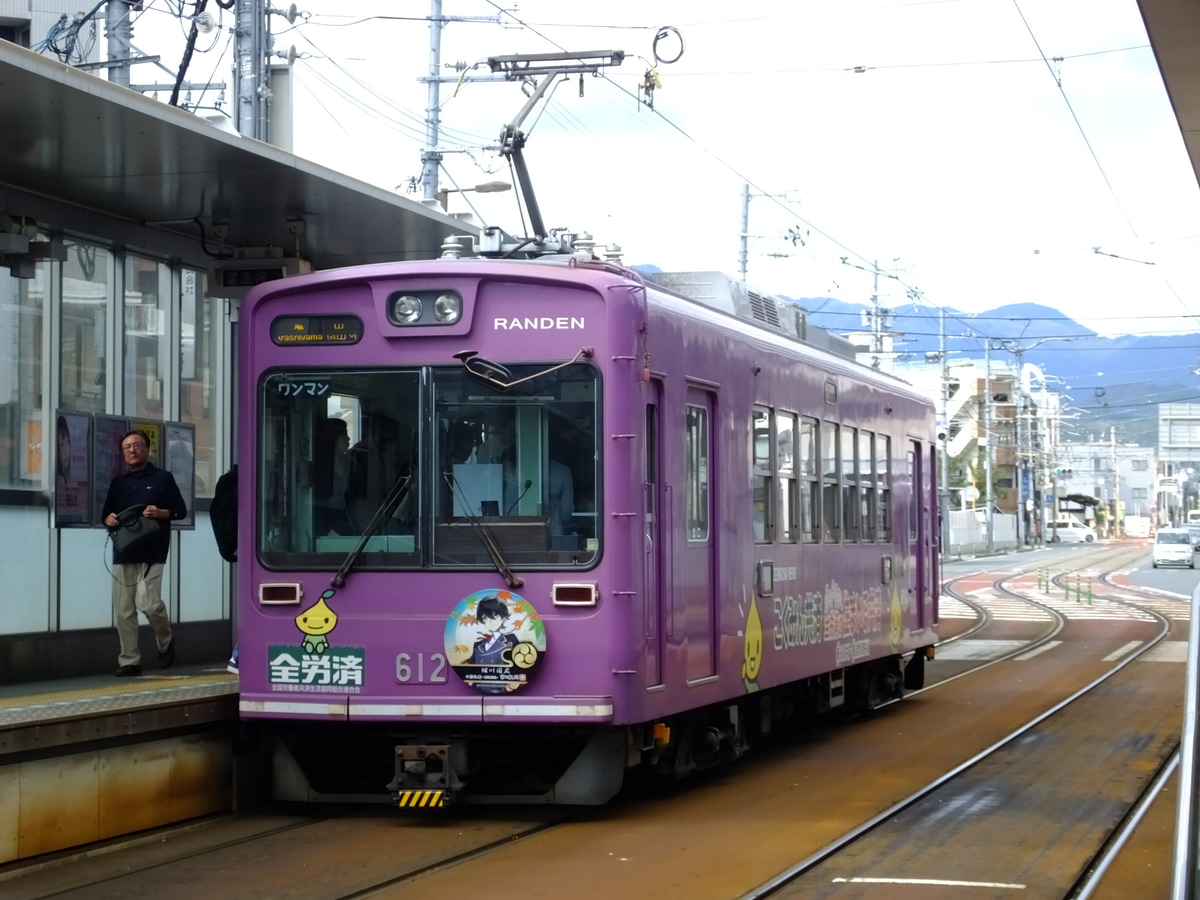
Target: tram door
[
  {"x": 933, "y": 546},
  {"x": 694, "y": 581},
  {"x": 653, "y": 505},
  {"x": 920, "y": 519}
]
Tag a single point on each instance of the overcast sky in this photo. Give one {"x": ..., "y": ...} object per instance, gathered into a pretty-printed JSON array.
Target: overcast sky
[{"x": 980, "y": 150}]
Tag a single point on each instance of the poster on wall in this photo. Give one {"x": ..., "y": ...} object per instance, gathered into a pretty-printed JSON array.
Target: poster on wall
[
  {"x": 181, "y": 462},
  {"x": 31, "y": 458},
  {"x": 107, "y": 459},
  {"x": 72, "y": 470},
  {"x": 154, "y": 431}
]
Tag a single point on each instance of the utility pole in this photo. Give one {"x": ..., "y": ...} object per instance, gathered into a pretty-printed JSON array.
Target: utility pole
[
  {"x": 118, "y": 28},
  {"x": 794, "y": 235},
  {"x": 985, "y": 441},
  {"x": 879, "y": 319},
  {"x": 253, "y": 46},
  {"x": 253, "y": 90},
  {"x": 1022, "y": 530},
  {"x": 1116, "y": 512},
  {"x": 431, "y": 157},
  {"x": 744, "y": 252},
  {"x": 877, "y": 322},
  {"x": 1018, "y": 352}
]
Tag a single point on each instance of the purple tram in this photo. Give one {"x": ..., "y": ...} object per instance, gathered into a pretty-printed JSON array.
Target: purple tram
[{"x": 521, "y": 529}]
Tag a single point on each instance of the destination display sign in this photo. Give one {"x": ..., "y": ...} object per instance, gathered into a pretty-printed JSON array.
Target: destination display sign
[{"x": 297, "y": 331}]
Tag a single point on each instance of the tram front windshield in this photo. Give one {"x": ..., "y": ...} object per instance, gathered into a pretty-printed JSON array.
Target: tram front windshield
[{"x": 431, "y": 465}]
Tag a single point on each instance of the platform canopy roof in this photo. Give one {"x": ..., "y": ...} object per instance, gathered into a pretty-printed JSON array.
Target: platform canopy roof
[
  {"x": 74, "y": 140},
  {"x": 1174, "y": 30},
  {"x": 76, "y": 144}
]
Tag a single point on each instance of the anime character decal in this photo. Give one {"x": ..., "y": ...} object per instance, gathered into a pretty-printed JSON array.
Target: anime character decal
[
  {"x": 495, "y": 641},
  {"x": 752, "y": 647},
  {"x": 896, "y": 631},
  {"x": 316, "y": 622}
]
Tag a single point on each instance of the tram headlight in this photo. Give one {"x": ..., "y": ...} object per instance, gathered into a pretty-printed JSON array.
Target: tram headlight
[
  {"x": 447, "y": 308},
  {"x": 407, "y": 309}
]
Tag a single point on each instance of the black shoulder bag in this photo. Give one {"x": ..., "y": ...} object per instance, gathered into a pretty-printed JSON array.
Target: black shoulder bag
[{"x": 133, "y": 529}]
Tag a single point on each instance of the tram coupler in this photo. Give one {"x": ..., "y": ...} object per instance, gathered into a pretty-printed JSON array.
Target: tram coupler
[{"x": 425, "y": 777}]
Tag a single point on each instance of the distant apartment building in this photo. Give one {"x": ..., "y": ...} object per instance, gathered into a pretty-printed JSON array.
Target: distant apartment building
[
  {"x": 1178, "y": 470},
  {"x": 33, "y": 23},
  {"x": 1121, "y": 477}
]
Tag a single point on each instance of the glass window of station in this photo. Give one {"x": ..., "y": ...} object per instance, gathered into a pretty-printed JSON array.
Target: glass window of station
[{"x": 428, "y": 468}]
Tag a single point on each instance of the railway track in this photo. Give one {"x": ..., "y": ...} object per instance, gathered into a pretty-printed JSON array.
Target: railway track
[
  {"x": 943, "y": 788},
  {"x": 983, "y": 792}
]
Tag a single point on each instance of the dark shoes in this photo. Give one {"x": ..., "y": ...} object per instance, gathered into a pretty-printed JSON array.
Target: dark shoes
[{"x": 166, "y": 659}]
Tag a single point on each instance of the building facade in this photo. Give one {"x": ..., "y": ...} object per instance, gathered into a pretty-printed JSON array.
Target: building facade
[
  {"x": 123, "y": 224},
  {"x": 112, "y": 332}
]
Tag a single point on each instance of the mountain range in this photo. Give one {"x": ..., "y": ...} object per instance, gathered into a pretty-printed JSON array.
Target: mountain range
[
  {"x": 1112, "y": 385},
  {"x": 1110, "y": 382}
]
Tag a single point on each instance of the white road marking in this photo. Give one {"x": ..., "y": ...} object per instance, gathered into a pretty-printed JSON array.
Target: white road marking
[
  {"x": 983, "y": 884},
  {"x": 1049, "y": 645},
  {"x": 1168, "y": 651},
  {"x": 969, "y": 648},
  {"x": 1123, "y": 651}
]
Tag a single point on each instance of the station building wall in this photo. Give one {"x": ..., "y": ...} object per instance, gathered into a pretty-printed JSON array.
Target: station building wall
[{"x": 104, "y": 330}]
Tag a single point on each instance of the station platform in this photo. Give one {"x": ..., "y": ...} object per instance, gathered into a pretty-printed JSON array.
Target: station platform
[
  {"x": 46, "y": 702},
  {"x": 95, "y": 757}
]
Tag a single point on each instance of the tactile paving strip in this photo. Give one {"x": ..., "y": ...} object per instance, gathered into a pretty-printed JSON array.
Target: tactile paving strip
[{"x": 113, "y": 698}]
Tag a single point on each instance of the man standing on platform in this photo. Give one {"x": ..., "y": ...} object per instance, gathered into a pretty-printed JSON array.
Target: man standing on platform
[{"x": 137, "y": 572}]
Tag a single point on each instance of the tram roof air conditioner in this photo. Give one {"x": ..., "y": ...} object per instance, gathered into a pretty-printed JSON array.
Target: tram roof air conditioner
[{"x": 233, "y": 278}]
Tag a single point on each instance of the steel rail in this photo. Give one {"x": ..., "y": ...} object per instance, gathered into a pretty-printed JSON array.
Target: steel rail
[{"x": 783, "y": 879}]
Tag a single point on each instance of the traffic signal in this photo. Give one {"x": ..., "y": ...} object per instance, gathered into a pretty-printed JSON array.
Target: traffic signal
[{"x": 1062, "y": 471}]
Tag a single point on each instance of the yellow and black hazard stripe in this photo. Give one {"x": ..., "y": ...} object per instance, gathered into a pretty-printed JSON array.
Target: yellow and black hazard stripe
[{"x": 421, "y": 799}]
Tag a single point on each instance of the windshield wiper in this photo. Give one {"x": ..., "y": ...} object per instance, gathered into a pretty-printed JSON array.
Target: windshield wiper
[
  {"x": 485, "y": 535},
  {"x": 390, "y": 502}
]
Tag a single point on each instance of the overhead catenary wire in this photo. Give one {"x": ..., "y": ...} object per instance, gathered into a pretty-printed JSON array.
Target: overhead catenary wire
[{"x": 408, "y": 124}]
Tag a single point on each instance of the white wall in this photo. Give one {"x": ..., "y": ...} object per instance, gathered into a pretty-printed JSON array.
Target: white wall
[
  {"x": 25, "y": 561},
  {"x": 203, "y": 576}
]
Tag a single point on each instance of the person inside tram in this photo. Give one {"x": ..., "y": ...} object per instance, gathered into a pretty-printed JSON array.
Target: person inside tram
[
  {"x": 330, "y": 463},
  {"x": 377, "y": 463},
  {"x": 461, "y": 443}
]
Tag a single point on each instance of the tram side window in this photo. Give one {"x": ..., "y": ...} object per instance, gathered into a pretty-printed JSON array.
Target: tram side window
[
  {"x": 696, "y": 447},
  {"x": 883, "y": 486},
  {"x": 914, "y": 499},
  {"x": 831, "y": 496},
  {"x": 761, "y": 479},
  {"x": 849, "y": 484},
  {"x": 866, "y": 480},
  {"x": 785, "y": 463},
  {"x": 810, "y": 483}
]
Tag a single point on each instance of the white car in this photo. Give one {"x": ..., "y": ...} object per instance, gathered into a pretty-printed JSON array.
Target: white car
[
  {"x": 1070, "y": 532},
  {"x": 1173, "y": 547},
  {"x": 1194, "y": 530}
]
